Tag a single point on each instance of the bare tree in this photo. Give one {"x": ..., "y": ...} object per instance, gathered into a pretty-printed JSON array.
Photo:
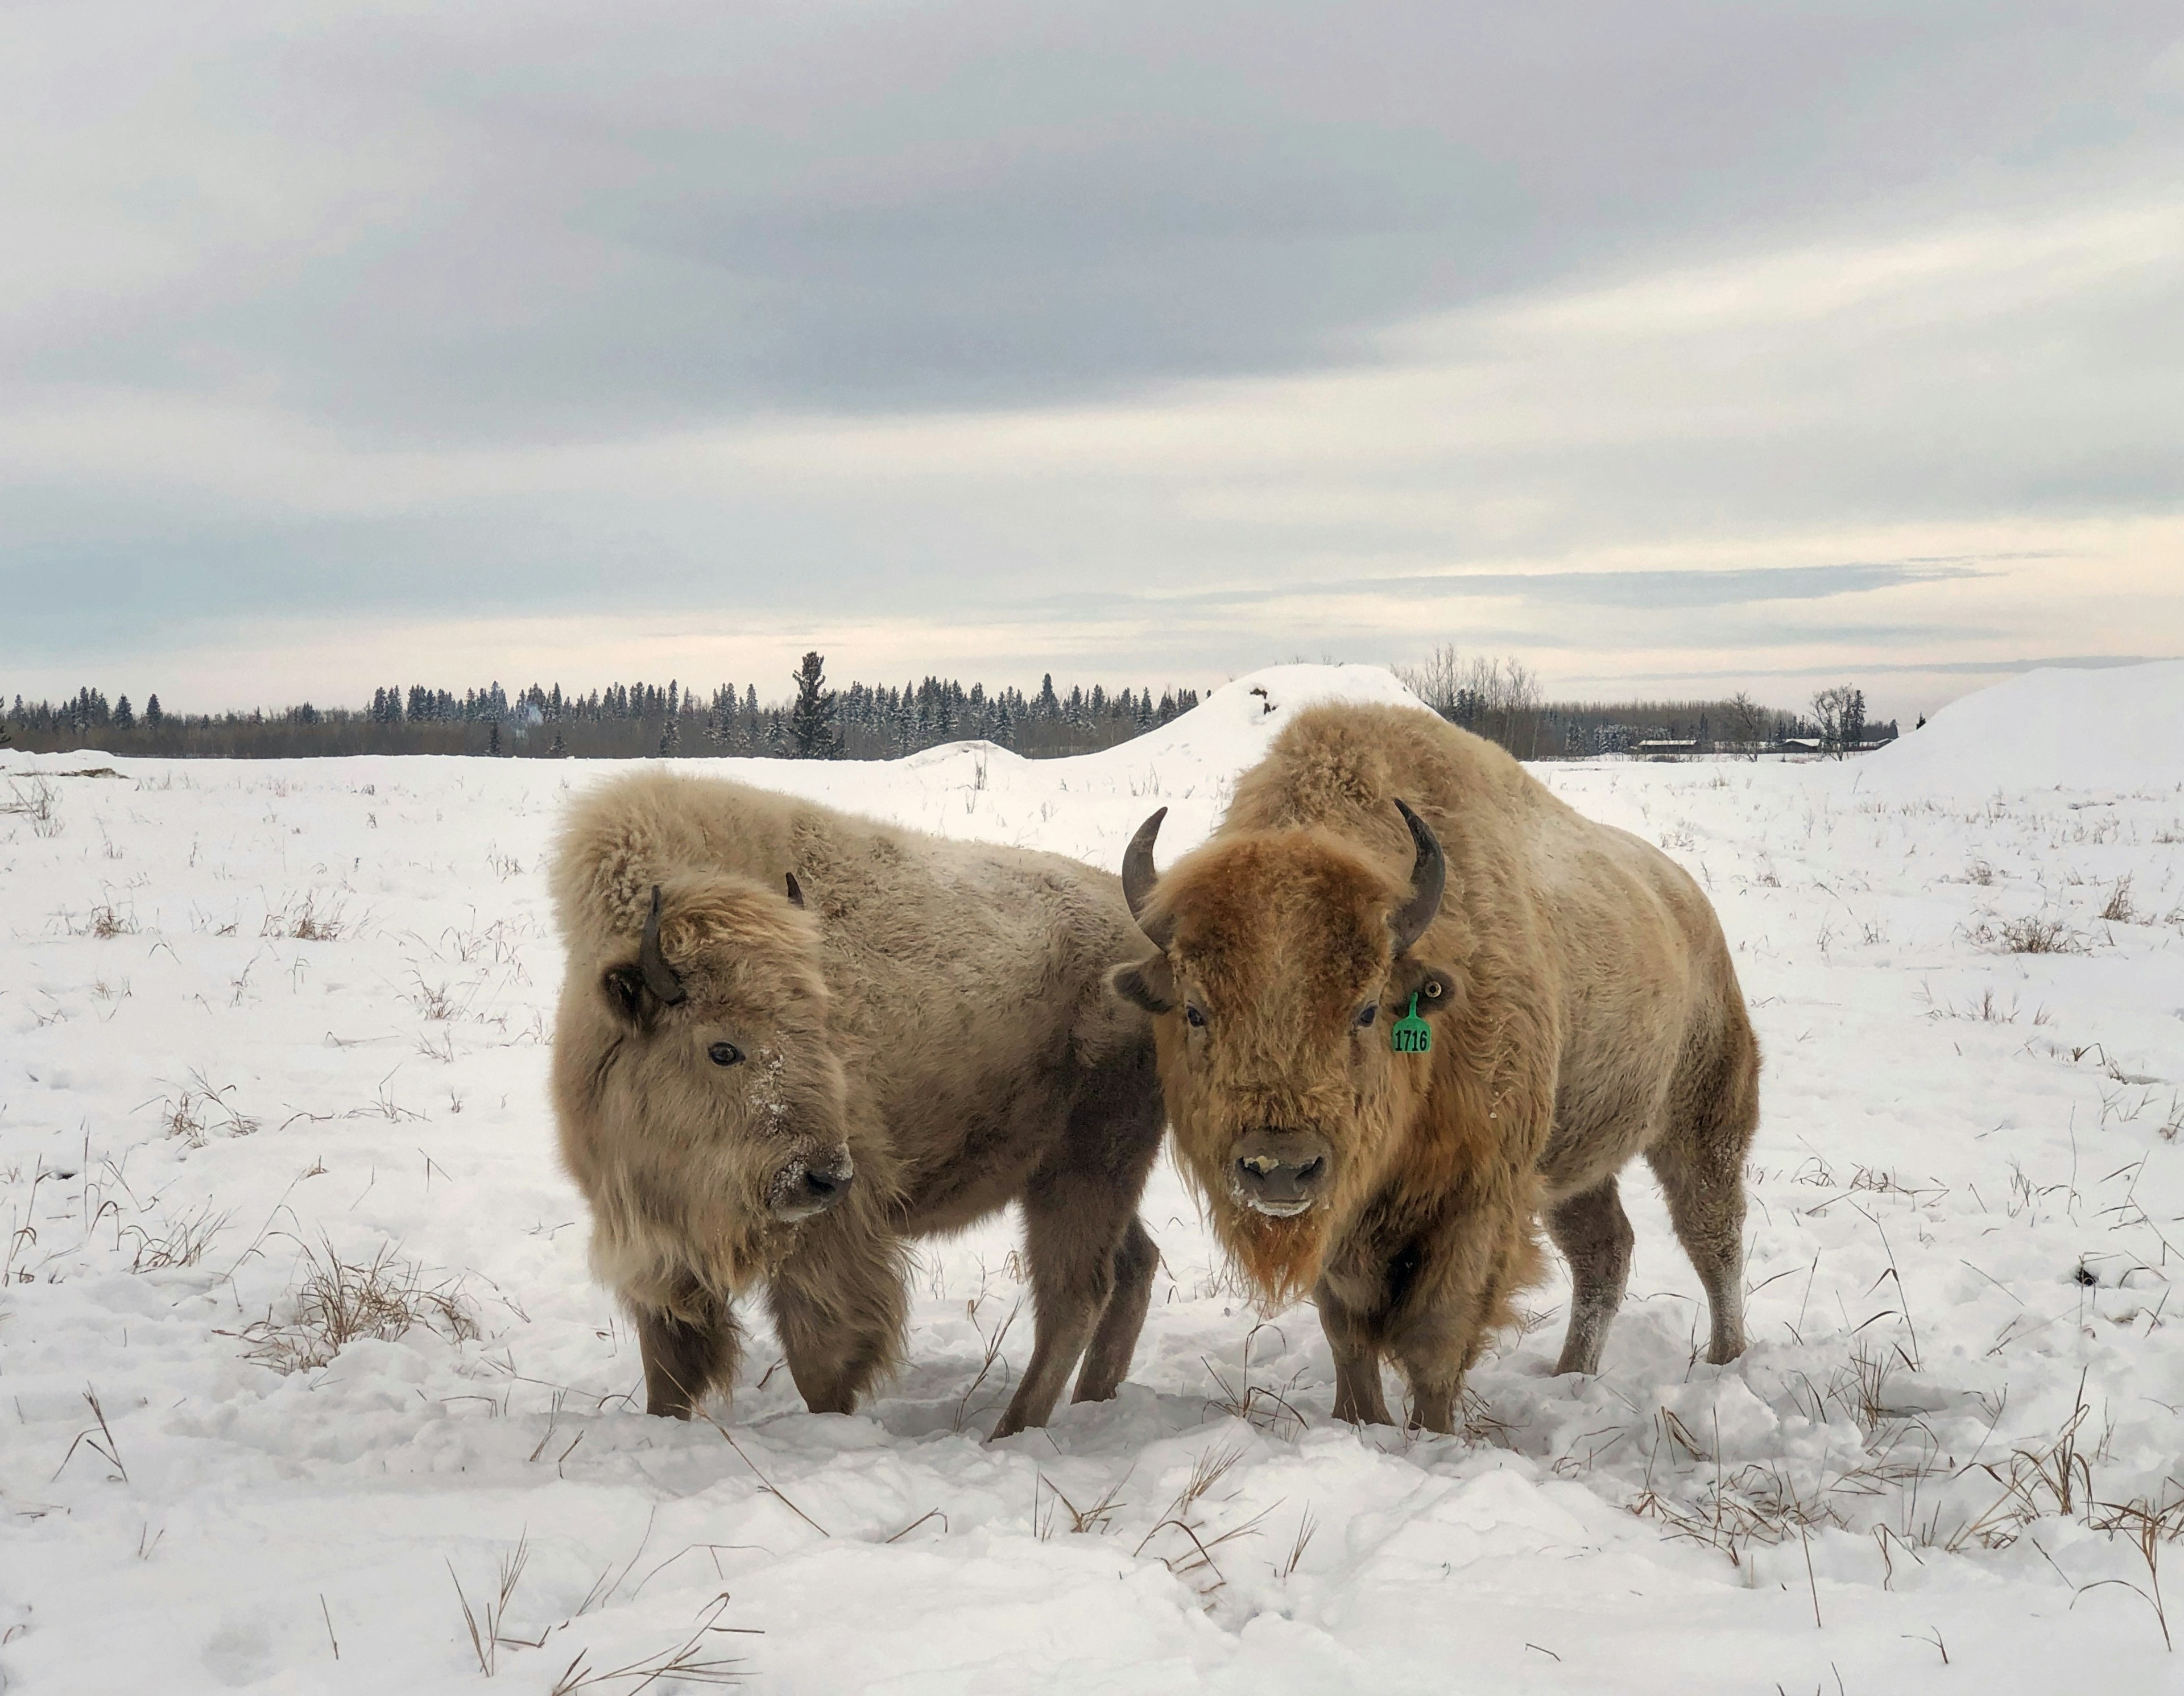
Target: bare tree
[
  {"x": 1841, "y": 714},
  {"x": 1745, "y": 722},
  {"x": 1494, "y": 697}
]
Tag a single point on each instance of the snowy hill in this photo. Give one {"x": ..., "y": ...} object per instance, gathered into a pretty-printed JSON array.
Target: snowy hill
[
  {"x": 2116, "y": 730},
  {"x": 261, "y": 1021}
]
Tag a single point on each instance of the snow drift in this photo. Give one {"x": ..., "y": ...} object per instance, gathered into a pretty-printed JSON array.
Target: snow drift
[
  {"x": 262, "y": 1022},
  {"x": 2052, "y": 729}
]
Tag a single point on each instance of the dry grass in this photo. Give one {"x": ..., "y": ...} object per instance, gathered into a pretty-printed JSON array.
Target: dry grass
[
  {"x": 181, "y": 1242},
  {"x": 199, "y": 1109},
  {"x": 98, "y": 1438},
  {"x": 105, "y": 921},
  {"x": 692, "y": 1661},
  {"x": 992, "y": 1355},
  {"x": 1261, "y": 1406},
  {"x": 337, "y": 1301},
  {"x": 1095, "y": 1518},
  {"x": 2121, "y": 908},
  {"x": 1183, "y": 1528},
  {"x": 2053, "y": 1477},
  {"x": 2030, "y": 935},
  {"x": 304, "y": 921},
  {"x": 35, "y": 803},
  {"x": 432, "y": 1001},
  {"x": 1307, "y": 1525},
  {"x": 1988, "y": 1009},
  {"x": 485, "y": 1622},
  {"x": 2147, "y": 1525}
]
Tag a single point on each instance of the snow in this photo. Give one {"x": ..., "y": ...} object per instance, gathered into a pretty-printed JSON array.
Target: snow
[
  {"x": 2113, "y": 729},
  {"x": 1952, "y": 1131}
]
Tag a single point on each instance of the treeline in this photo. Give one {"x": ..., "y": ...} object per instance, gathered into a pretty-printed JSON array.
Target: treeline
[
  {"x": 1500, "y": 699},
  {"x": 621, "y": 721}
]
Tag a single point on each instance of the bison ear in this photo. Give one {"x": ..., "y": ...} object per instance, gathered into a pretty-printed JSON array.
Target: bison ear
[
  {"x": 1437, "y": 988},
  {"x": 1149, "y": 984},
  {"x": 795, "y": 891},
  {"x": 624, "y": 986}
]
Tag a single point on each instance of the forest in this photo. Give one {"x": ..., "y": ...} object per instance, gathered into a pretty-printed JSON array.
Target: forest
[{"x": 1500, "y": 698}]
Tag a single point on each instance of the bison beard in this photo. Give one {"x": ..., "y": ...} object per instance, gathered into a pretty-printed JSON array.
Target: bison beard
[
  {"x": 1280, "y": 1256},
  {"x": 1586, "y": 1012}
]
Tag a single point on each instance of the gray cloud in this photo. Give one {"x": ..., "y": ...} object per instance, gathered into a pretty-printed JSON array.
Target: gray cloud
[
  {"x": 1640, "y": 590},
  {"x": 497, "y": 230},
  {"x": 1951, "y": 668},
  {"x": 502, "y": 221}
]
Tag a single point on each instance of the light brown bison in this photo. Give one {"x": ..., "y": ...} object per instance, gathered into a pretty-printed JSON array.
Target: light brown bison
[
  {"x": 1583, "y": 1009},
  {"x": 789, "y": 1038}
]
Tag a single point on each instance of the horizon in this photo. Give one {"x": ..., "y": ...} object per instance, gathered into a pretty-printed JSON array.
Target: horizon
[{"x": 1880, "y": 710}]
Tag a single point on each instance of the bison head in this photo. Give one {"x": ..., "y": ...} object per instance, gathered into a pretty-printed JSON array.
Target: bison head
[
  {"x": 1283, "y": 957},
  {"x": 711, "y": 1095}
]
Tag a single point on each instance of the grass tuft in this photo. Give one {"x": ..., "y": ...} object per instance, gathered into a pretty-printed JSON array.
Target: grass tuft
[{"x": 336, "y": 1302}]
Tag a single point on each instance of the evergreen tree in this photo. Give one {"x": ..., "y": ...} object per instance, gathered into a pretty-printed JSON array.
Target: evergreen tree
[
  {"x": 493, "y": 740},
  {"x": 811, "y": 719},
  {"x": 125, "y": 718}
]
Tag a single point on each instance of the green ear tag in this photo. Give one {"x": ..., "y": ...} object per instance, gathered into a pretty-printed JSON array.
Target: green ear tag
[{"x": 1411, "y": 1035}]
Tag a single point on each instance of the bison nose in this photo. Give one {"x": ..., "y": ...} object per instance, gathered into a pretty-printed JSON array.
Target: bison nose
[
  {"x": 805, "y": 1189},
  {"x": 1281, "y": 1172}
]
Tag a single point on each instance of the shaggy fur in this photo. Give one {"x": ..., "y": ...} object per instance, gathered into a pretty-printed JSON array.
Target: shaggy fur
[
  {"x": 933, "y": 1015},
  {"x": 1586, "y": 1012}
]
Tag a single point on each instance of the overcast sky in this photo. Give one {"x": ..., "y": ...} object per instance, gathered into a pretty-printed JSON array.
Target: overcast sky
[{"x": 1672, "y": 347}]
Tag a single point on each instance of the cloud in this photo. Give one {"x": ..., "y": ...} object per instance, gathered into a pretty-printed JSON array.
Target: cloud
[
  {"x": 1179, "y": 337},
  {"x": 1650, "y": 590}
]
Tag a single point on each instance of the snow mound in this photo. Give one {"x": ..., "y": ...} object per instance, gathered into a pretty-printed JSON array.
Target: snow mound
[
  {"x": 2052, "y": 729},
  {"x": 1229, "y": 730}
]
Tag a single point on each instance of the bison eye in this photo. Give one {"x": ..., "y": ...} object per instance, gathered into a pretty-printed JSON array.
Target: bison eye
[
  {"x": 1196, "y": 1020},
  {"x": 724, "y": 1054},
  {"x": 1366, "y": 1012}
]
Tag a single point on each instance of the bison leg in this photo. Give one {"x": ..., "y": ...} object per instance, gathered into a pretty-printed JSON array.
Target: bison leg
[
  {"x": 1700, "y": 1161},
  {"x": 1073, "y": 1225},
  {"x": 1449, "y": 1290},
  {"x": 1107, "y": 1360},
  {"x": 1595, "y": 1236},
  {"x": 687, "y": 1353},
  {"x": 838, "y": 1309},
  {"x": 1350, "y": 1338},
  {"x": 1705, "y": 1205}
]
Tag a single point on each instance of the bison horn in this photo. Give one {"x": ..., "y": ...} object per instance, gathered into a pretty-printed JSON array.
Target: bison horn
[
  {"x": 1139, "y": 876},
  {"x": 658, "y": 976},
  {"x": 1428, "y": 878}
]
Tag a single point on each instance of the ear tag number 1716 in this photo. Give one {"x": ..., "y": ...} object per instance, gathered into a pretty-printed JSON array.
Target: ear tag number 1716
[{"x": 1411, "y": 1035}]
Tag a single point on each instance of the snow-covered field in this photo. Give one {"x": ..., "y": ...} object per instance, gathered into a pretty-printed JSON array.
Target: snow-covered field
[{"x": 269, "y": 1026}]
